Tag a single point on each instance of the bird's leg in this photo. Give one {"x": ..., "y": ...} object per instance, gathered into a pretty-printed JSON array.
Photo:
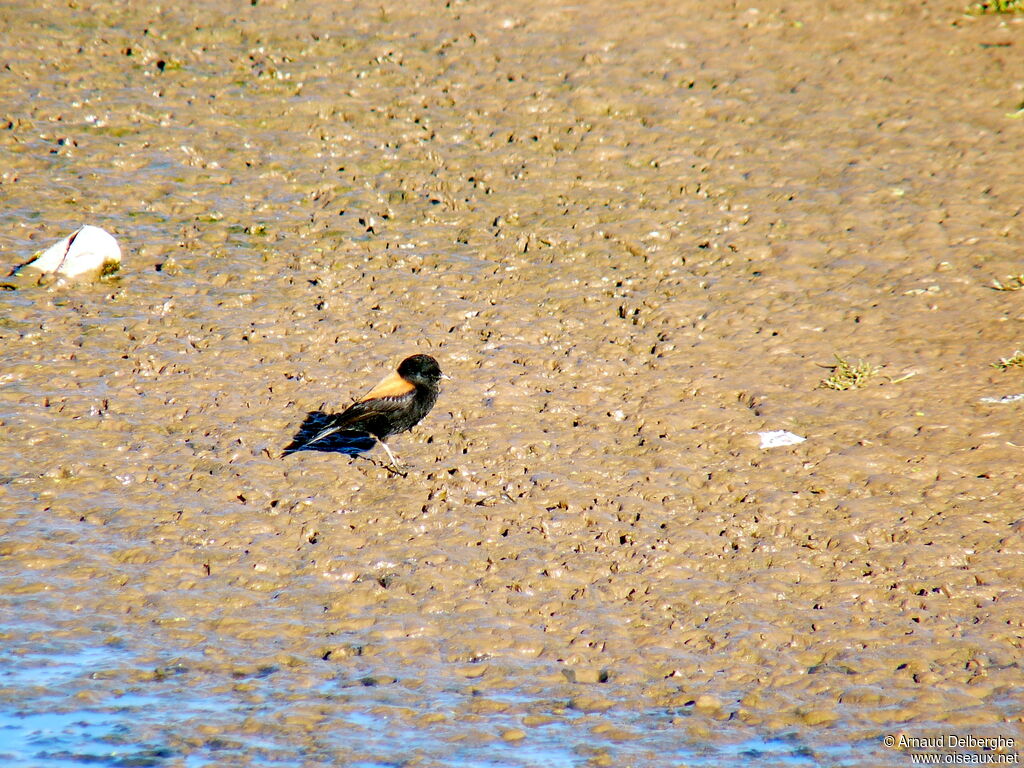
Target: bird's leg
[{"x": 398, "y": 468}]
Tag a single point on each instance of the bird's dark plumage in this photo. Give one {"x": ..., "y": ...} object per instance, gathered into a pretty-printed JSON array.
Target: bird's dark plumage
[{"x": 397, "y": 404}]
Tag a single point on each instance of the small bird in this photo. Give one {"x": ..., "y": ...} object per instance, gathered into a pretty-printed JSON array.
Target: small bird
[{"x": 397, "y": 404}]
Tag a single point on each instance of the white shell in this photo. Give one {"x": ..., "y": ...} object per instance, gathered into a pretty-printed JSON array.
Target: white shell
[
  {"x": 778, "y": 438},
  {"x": 89, "y": 249},
  {"x": 1003, "y": 399}
]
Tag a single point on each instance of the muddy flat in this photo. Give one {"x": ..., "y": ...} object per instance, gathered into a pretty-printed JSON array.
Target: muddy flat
[{"x": 636, "y": 235}]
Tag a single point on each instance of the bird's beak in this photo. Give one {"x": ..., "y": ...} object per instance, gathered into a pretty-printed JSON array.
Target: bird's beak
[{"x": 446, "y": 377}]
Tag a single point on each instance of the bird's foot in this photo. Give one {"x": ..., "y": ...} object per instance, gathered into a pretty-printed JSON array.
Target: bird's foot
[
  {"x": 392, "y": 467},
  {"x": 397, "y": 469}
]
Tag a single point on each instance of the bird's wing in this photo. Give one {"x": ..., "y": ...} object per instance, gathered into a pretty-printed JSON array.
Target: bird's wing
[{"x": 389, "y": 395}]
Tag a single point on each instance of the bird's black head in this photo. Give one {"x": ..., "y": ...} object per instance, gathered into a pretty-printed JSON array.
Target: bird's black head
[{"x": 420, "y": 369}]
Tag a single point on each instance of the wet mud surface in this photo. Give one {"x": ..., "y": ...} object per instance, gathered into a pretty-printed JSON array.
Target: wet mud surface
[{"x": 634, "y": 235}]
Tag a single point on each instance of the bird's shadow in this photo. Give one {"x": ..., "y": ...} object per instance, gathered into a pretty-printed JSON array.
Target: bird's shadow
[{"x": 350, "y": 442}]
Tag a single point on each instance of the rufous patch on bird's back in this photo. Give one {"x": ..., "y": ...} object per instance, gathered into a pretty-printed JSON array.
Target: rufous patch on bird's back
[{"x": 391, "y": 385}]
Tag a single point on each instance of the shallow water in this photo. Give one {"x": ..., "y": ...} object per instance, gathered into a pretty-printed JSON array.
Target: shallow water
[
  {"x": 357, "y": 722},
  {"x": 635, "y": 236}
]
